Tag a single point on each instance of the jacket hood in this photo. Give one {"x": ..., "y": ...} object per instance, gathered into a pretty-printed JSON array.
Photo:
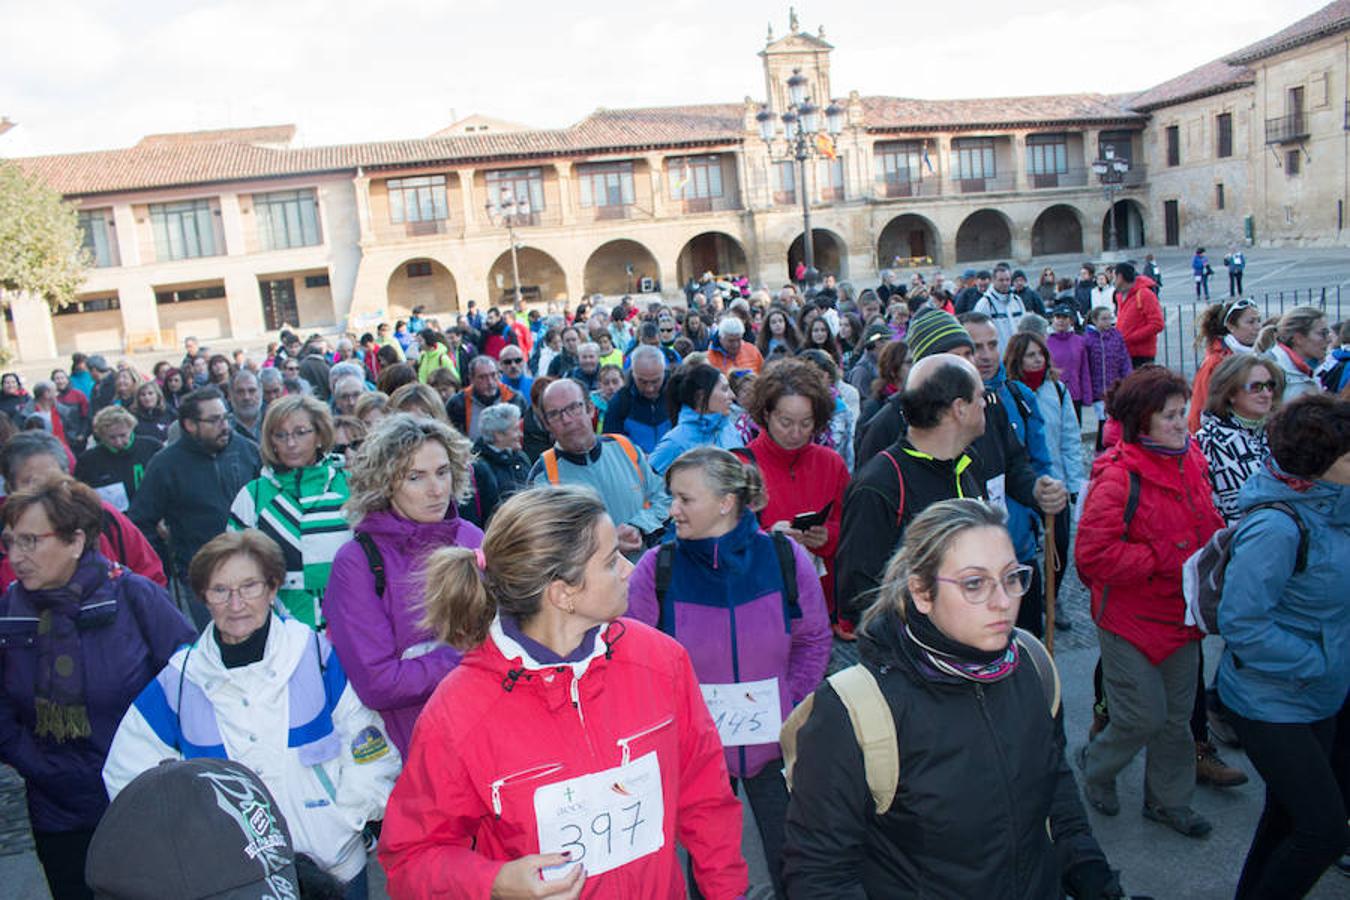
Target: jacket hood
[
  {"x": 707, "y": 424},
  {"x": 390, "y": 525},
  {"x": 1269, "y": 484},
  {"x": 1141, "y": 282}
]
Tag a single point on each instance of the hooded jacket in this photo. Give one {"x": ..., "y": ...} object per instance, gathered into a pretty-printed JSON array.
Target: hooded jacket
[
  {"x": 1140, "y": 318},
  {"x": 694, "y": 429},
  {"x": 1068, "y": 351},
  {"x": 509, "y": 721},
  {"x": 301, "y": 510},
  {"x": 726, "y": 606},
  {"x": 1108, "y": 360},
  {"x": 1135, "y": 575},
  {"x": 392, "y": 662},
  {"x": 509, "y": 469},
  {"x": 125, "y": 644},
  {"x": 1016, "y": 453},
  {"x": 291, "y": 717},
  {"x": 1286, "y": 634},
  {"x": 987, "y": 806}
]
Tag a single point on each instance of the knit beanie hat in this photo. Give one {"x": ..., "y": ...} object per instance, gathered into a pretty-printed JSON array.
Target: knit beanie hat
[{"x": 935, "y": 331}]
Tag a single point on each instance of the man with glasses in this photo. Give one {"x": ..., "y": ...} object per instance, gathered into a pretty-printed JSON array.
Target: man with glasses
[
  {"x": 610, "y": 465},
  {"x": 189, "y": 486},
  {"x": 485, "y": 389},
  {"x": 640, "y": 410},
  {"x": 513, "y": 374}
]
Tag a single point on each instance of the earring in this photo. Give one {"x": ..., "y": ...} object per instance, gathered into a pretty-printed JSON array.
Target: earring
[{"x": 571, "y": 608}]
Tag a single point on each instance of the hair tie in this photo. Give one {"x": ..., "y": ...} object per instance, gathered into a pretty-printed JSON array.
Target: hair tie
[{"x": 479, "y": 558}]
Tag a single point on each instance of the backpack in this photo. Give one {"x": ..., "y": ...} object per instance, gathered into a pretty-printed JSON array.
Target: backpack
[
  {"x": 550, "y": 460},
  {"x": 1336, "y": 377},
  {"x": 874, "y": 726},
  {"x": 787, "y": 569},
  {"x": 373, "y": 559},
  {"x": 1202, "y": 576}
]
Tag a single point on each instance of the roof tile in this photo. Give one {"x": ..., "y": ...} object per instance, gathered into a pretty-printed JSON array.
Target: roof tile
[{"x": 1330, "y": 19}]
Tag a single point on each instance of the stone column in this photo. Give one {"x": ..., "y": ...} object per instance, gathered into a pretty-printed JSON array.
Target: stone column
[
  {"x": 140, "y": 314},
  {"x": 1019, "y": 164},
  {"x": 244, "y": 301},
  {"x": 566, "y": 200},
  {"x": 470, "y": 208},
  {"x": 661, "y": 202},
  {"x": 361, "y": 183},
  {"x": 232, "y": 224},
  {"x": 124, "y": 224}
]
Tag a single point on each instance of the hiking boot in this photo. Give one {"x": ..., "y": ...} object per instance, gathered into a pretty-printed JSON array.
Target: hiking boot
[
  {"x": 1221, "y": 729},
  {"x": 1099, "y": 723},
  {"x": 1210, "y": 768},
  {"x": 1101, "y": 797},
  {"x": 1181, "y": 819}
]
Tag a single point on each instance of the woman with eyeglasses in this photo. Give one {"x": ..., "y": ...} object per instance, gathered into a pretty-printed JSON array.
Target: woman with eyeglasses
[
  {"x": 1149, "y": 506},
  {"x": 266, "y": 691},
  {"x": 986, "y": 804},
  {"x": 81, "y": 637},
  {"x": 1244, "y": 390},
  {"x": 1223, "y": 329},
  {"x": 1297, "y": 344},
  {"x": 296, "y": 500}
]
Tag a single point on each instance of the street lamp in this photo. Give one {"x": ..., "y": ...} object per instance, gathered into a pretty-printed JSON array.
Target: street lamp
[
  {"x": 1111, "y": 171},
  {"x": 505, "y": 210},
  {"x": 801, "y": 128}
]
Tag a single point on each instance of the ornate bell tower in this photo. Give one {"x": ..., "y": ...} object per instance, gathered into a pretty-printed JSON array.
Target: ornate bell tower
[{"x": 796, "y": 50}]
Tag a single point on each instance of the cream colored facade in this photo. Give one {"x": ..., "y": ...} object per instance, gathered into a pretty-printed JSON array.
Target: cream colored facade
[{"x": 391, "y": 235}]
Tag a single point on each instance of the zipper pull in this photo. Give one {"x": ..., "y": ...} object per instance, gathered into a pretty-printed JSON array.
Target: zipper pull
[{"x": 497, "y": 797}]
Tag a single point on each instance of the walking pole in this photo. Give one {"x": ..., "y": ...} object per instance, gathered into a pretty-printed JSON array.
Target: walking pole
[{"x": 1051, "y": 563}]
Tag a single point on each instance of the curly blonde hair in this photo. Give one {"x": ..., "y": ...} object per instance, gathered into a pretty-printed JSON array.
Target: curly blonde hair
[{"x": 386, "y": 455}]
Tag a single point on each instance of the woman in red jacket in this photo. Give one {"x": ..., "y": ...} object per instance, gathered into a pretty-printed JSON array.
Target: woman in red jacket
[
  {"x": 1157, "y": 479},
  {"x": 568, "y": 746},
  {"x": 1224, "y": 329},
  {"x": 1139, "y": 316},
  {"x": 791, "y": 403}
]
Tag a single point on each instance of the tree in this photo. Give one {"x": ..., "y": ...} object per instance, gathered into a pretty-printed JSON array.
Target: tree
[{"x": 42, "y": 249}]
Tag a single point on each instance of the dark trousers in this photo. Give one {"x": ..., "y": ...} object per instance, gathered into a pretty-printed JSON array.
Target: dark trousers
[
  {"x": 1138, "y": 361},
  {"x": 62, "y": 855},
  {"x": 1302, "y": 829},
  {"x": 768, "y": 796},
  {"x": 1202, "y": 285},
  {"x": 1234, "y": 283}
]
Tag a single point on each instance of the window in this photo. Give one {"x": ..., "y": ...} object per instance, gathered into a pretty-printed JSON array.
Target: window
[
  {"x": 1218, "y": 196},
  {"x": 93, "y": 304},
  {"x": 785, "y": 182},
  {"x": 695, "y": 177},
  {"x": 1293, "y": 164},
  {"x": 1223, "y": 126},
  {"x": 184, "y": 230},
  {"x": 187, "y": 295},
  {"x": 1294, "y": 101},
  {"x": 420, "y": 199},
  {"x": 830, "y": 178},
  {"x": 974, "y": 158},
  {"x": 316, "y": 281},
  {"x": 1173, "y": 133},
  {"x": 610, "y": 184},
  {"x": 898, "y": 167},
  {"x": 520, "y": 184},
  {"x": 1120, "y": 143},
  {"x": 1047, "y": 154},
  {"x": 95, "y": 225},
  {"x": 287, "y": 219},
  {"x": 419, "y": 269}
]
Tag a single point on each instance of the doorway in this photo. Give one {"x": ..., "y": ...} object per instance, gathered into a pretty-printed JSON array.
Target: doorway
[
  {"x": 278, "y": 301},
  {"x": 1171, "y": 224}
]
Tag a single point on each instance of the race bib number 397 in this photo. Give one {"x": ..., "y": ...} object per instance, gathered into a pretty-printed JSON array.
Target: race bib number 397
[{"x": 604, "y": 819}]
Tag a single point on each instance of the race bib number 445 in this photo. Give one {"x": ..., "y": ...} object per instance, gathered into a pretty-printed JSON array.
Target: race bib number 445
[
  {"x": 746, "y": 713},
  {"x": 604, "y": 819}
]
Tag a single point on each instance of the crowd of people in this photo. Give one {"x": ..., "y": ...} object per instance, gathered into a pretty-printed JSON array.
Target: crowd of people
[{"x": 524, "y": 600}]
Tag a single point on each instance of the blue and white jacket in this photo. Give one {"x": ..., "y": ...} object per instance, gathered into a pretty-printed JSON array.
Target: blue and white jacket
[
  {"x": 291, "y": 717},
  {"x": 694, "y": 429},
  {"x": 1024, "y": 415}
]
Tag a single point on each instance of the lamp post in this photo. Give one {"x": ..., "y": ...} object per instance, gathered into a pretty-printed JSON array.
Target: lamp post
[
  {"x": 801, "y": 129},
  {"x": 505, "y": 210},
  {"x": 1111, "y": 171}
]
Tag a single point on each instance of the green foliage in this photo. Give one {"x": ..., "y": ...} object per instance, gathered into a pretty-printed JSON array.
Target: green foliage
[{"x": 41, "y": 244}]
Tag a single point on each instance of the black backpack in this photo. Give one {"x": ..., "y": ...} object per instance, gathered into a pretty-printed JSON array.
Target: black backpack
[{"x": 787, "y": 570}]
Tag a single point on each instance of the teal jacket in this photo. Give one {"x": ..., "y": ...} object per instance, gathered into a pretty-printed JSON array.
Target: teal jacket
[
  {"x": 1287, "y": 634},
  {"x": 694, "y": 429}
]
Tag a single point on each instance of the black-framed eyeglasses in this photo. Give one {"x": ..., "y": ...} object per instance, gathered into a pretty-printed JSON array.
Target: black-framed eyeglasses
[
  {"x": 211, "y": 420},
  {"x": 351, "y": 446},
  {"x": 511, "y": 362},
  {"x": 555, "y": 416}
]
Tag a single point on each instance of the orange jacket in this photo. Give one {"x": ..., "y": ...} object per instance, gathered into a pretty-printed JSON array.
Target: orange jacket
[{"x": 1218, "y": 351}]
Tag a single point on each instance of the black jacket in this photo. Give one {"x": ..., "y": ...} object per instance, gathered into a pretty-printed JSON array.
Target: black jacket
[
  {"x": 100, "y": 466},
  {"x": 873, "y": 523},
  {"x": 982, "y": 768},
  {"x": 510, "y": 469},
  {"x": 644, "y": 421},
  {"x": 883, "y": 428},
  {"x": 191, "y": 491}
]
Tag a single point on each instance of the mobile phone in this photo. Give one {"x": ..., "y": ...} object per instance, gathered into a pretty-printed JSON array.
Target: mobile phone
[{"x": 803, "y": 521}]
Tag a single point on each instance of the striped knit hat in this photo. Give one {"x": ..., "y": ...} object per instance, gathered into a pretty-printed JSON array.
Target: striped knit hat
[{"x": 935, "y": 331}]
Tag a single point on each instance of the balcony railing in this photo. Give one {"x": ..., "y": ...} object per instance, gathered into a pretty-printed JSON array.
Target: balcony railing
[
  {"x": 1136, "y": 176},
  {"x": 611, "y": 212},
  {"x": 1284, "y": 129},
  {"x": 984, "y": 185},
  {"x": 923, "y": 187},
  {"x": 1072, "y": 177}
]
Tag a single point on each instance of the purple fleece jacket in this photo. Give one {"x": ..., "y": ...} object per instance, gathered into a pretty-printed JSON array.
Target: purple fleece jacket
[
  {"x": 392, "y": 663},
  {"x": 736, "y": 581},
  {"x": 1108, "y": 360},
  {"x": 1068, "y": 351}
]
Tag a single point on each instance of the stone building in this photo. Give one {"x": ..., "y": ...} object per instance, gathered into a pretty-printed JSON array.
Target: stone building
[{"x": 231, "y": 234}]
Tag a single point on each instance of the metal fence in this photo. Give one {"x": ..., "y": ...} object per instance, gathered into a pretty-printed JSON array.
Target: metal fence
[{"x": 1176, "y": 344}]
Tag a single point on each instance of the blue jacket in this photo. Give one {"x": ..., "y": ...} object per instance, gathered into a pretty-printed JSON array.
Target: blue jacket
[
  {"x": 694, "y": 429},
  {"x": 642, "y": 421},
  {"x": 1287, "y": 635},
  {"x": 1024, "y": 415}
]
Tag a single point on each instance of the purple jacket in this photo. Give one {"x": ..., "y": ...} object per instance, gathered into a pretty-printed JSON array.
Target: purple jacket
[
  {"x": 718, "y": 584},
  {"x": 1108, "y": 360},
  {"x": 392, "y": 663},
  {"x": 123, "y": 647},
  {"x": 1068, "y": 351}
]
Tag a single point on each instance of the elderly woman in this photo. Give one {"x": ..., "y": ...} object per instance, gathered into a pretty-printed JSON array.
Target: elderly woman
[
  {"x": 297, "y": 501},
  {"x": 1148, "y": 508},
  {"x": 153, "y": 418},
  {"x": 267, "y": 692},
  {"x": 498, "y": 446},
  {"x": 80, "y": 637},
  {"x": 405, "y": 478},
  {"x": 116, "y": 463}
]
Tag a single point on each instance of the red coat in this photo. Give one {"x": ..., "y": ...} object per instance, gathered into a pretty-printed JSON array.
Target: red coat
[
  {"x": 120, "y": 541},
  {"x": 1140, "y": 318},
  {"x": 1217, "y": 353},
  {"x": 1136, "y": 577},
  {"x": 499, "y": 729}
]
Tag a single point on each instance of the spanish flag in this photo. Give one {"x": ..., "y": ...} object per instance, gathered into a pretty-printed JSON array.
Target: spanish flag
[{"x": 825, "y": 146}]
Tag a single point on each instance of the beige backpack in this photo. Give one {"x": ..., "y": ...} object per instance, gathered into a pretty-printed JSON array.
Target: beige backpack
[{"x": 874, "y": 726}]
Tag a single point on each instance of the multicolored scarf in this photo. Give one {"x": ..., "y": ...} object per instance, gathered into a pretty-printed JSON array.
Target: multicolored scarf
[
  {"x": 59, "y": 692},
  {"x": 950, "y": 657},
  {"x": 1153, "y": 446}
]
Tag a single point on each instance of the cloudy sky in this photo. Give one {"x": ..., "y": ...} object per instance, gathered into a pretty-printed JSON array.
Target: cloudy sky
[{"x": 91, "y": 74}]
